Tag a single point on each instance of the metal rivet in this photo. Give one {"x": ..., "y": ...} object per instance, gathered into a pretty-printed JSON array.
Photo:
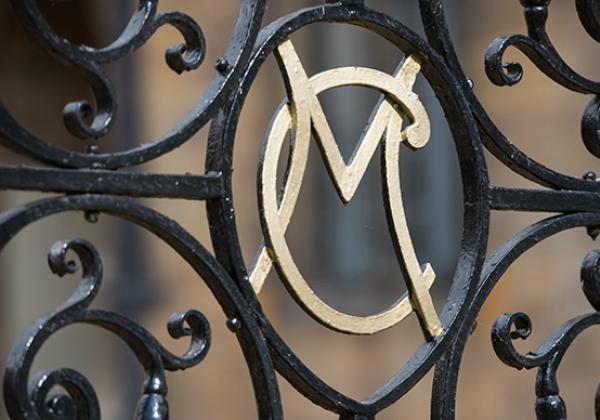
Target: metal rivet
[
  {"x": 222, "y": 65},
  {"x": 590, "y": 176},
  {"x": 92, "y": 149},
  {"x": 92, "y": 216},
  {"x": 234, "y": 324}
]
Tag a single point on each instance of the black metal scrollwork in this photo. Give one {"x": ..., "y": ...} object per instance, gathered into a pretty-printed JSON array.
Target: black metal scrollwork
[
  {"x": 143, "y": 24},
  {"x": 89, "y": 182},
  {"x": 29, "y": 398},
  {"x": 538, "y": 47},
  {"x": 548, "y": 356}
]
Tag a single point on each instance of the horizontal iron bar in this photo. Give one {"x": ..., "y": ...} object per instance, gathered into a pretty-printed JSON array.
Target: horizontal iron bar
[
  {"x": 551, "y": 201},
  {"x": 189, "y": 187}
]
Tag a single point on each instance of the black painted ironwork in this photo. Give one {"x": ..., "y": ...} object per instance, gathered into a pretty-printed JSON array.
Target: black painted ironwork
[{"x": 101, "y": 182}]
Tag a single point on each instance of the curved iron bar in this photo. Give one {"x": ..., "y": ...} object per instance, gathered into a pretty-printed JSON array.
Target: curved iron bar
[
  {"x": 181, "y": 57},
  {"x": 510, "y": 327},
  {"x": 222, "y": 213},
  {"x": 28, "y": 402},
  {"x": 142, "y": 25},
  {"x": 145, "y": 347},
  {"x": 538, "y": 47},
  {"x": 447, "y": 369},
  {"x": 548, "y": 356},
  {"x": 436, "y": 29}
]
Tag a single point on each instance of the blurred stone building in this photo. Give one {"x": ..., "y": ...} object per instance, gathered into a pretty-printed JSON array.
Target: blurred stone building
[{"x": 340, "y": 249}]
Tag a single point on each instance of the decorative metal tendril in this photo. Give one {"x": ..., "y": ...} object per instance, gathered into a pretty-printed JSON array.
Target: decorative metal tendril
[
  {"x": 30, "y": 398},
  {"x": 143, "y": 24},
  {"x": 538, "y": 47},
  {"x": 548, "y": 356}
]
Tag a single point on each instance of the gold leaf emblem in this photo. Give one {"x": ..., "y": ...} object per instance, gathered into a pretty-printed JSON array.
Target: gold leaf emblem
[{"x": 304, "y": 116}]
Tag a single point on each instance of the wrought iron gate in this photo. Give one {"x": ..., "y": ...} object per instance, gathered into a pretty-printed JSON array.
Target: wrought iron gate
[{"x": 95, "y": 182}]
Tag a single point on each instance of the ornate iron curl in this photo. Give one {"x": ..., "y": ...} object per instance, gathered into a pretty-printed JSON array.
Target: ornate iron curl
[
  {"x": 240, "y": 320},
  {"x": 548, "y": 356},
  {"x": 539, "y": 48},
  {"x": 447, "y": 368},
  {"x": 436, "y": 28},
  {"x": 32, "y": 400},
  {"x": 86, "y": 60},
  {"x": 142, "y": 25}
]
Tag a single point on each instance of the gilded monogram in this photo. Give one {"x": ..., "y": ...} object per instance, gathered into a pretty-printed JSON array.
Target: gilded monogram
[{"x": 303, "y": 115}]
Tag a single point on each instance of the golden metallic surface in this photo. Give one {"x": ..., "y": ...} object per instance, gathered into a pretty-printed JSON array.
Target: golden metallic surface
[{"x": 304, "y": 116}]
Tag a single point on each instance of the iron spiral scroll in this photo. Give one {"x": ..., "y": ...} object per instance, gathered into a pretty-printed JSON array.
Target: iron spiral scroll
[{"x": 106, "y": 183}]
